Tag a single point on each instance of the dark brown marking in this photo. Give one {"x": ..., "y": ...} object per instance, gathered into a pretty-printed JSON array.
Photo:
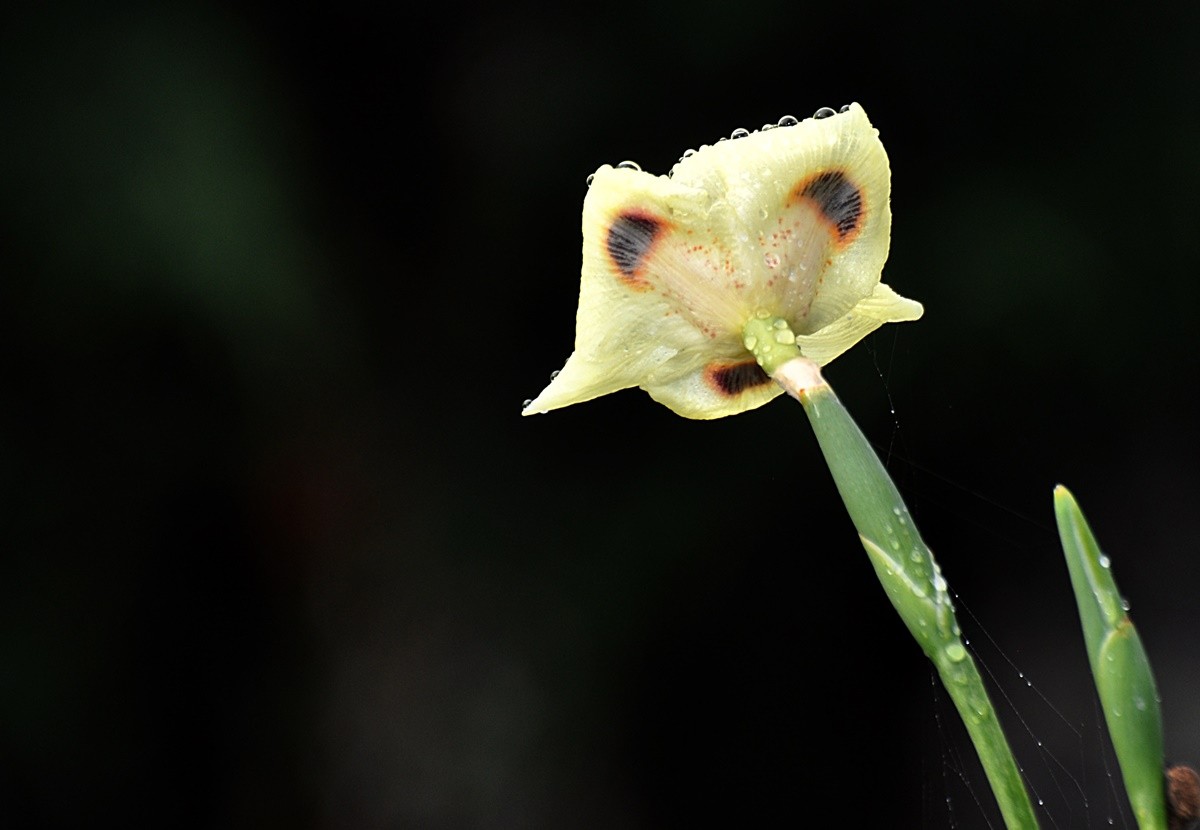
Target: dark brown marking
[
  {"x": 630, "y": 238},
  {"x": 732, "y": 379},
  {"x": 839, "y": 200}
]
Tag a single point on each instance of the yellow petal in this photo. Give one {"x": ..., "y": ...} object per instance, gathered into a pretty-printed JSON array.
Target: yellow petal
[
  {"x": 811, "y": 205},
  {"x": 883, "y": 306},
  {"x": 725, "y": 386},
  {"x": 658, "y": 296}
]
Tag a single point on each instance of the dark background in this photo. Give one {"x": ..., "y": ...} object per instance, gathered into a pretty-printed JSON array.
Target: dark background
[{"x": 279, "y": 552}]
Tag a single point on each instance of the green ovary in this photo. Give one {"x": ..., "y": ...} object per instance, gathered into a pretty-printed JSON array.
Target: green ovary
[{"x": 771, "y": 341}]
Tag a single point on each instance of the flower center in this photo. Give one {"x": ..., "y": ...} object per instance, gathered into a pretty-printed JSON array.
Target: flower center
[{"x": 770, "y": 339}]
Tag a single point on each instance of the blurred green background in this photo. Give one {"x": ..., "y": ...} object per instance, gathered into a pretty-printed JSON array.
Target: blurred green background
[{"x": 278, "y": 550}]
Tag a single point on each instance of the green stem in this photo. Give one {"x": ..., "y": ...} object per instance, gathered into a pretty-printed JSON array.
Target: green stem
[{"x": 913, "y": 582}]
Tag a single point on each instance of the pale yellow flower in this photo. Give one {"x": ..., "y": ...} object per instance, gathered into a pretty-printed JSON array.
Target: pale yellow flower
[{"x": 790, "y": 223}]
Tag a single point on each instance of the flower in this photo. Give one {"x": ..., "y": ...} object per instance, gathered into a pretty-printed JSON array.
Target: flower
[{"x": 790, "y": 224}]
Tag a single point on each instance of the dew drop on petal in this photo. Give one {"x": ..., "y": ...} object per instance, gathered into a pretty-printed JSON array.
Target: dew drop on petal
[
  {"x": 788, "y": 121},
  {"x": 956, "y": 652},
  {"x": 629, "y": 165},
  {"x": 740, "y": 132},
  {"x": 771, "y": 260},
  {"x": 1104, "y": 561},
  {"x": 824, "y": 112}
]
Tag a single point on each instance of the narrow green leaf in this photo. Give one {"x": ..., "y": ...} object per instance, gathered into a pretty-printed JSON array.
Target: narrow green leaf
[{"x": 1120, "y": 666}]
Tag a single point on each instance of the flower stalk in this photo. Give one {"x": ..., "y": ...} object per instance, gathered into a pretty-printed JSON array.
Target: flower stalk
[{"x": 909, "y": 574}]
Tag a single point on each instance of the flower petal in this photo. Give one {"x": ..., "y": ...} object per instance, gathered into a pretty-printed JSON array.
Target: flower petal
[
  {"x": 657, "y": 291},
  {"x": 811, "y": 204},
  {"x": 725, "y": 386},
  {"x": 883, "y": 306}
]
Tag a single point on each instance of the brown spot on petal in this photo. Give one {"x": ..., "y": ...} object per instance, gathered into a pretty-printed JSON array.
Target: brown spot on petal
[
  {"x": 837, "y": 199},
  {"x": 732, "y": 379},
  {"x": 631, "y": 238}
]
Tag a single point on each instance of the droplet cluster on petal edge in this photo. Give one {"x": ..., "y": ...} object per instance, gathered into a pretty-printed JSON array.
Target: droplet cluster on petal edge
[{"x": 740, "y": 132}]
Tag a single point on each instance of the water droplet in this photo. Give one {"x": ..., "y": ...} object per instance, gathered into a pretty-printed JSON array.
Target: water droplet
[
  {"x": 824, "y": 112},
  {"x": 844, "y": 108},
  {"x": 766, "y": 127},
  {"x": 629, "y": 165},
  {"x": 688, "y": 154},
  {"x": 785, "y": 337},
  {"x": 1140, "y": 703},
  {"x": 525, "y": 404},
  {"x": 750, "y": 342},
  {"x": 554, "y": 374},
  {"x": 772, "y": 261},
  {"x": 591, "y": 178},
  {"x": 896, "y": 511},
  {"x": 780, "y": 324},
  {"x": 762, "y": 314},
  {"x": 895, "y": 543},
  {"x": 788, "y": 121},
  {"x": 1124, "y": 604},
  {"x": 1104, "y": 561},
  {"x": 740, "y": 132},
  {"x": 763, "y": 213}
]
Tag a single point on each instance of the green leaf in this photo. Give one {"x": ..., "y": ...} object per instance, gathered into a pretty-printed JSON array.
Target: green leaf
[{"x": 1120, "y": 666}]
